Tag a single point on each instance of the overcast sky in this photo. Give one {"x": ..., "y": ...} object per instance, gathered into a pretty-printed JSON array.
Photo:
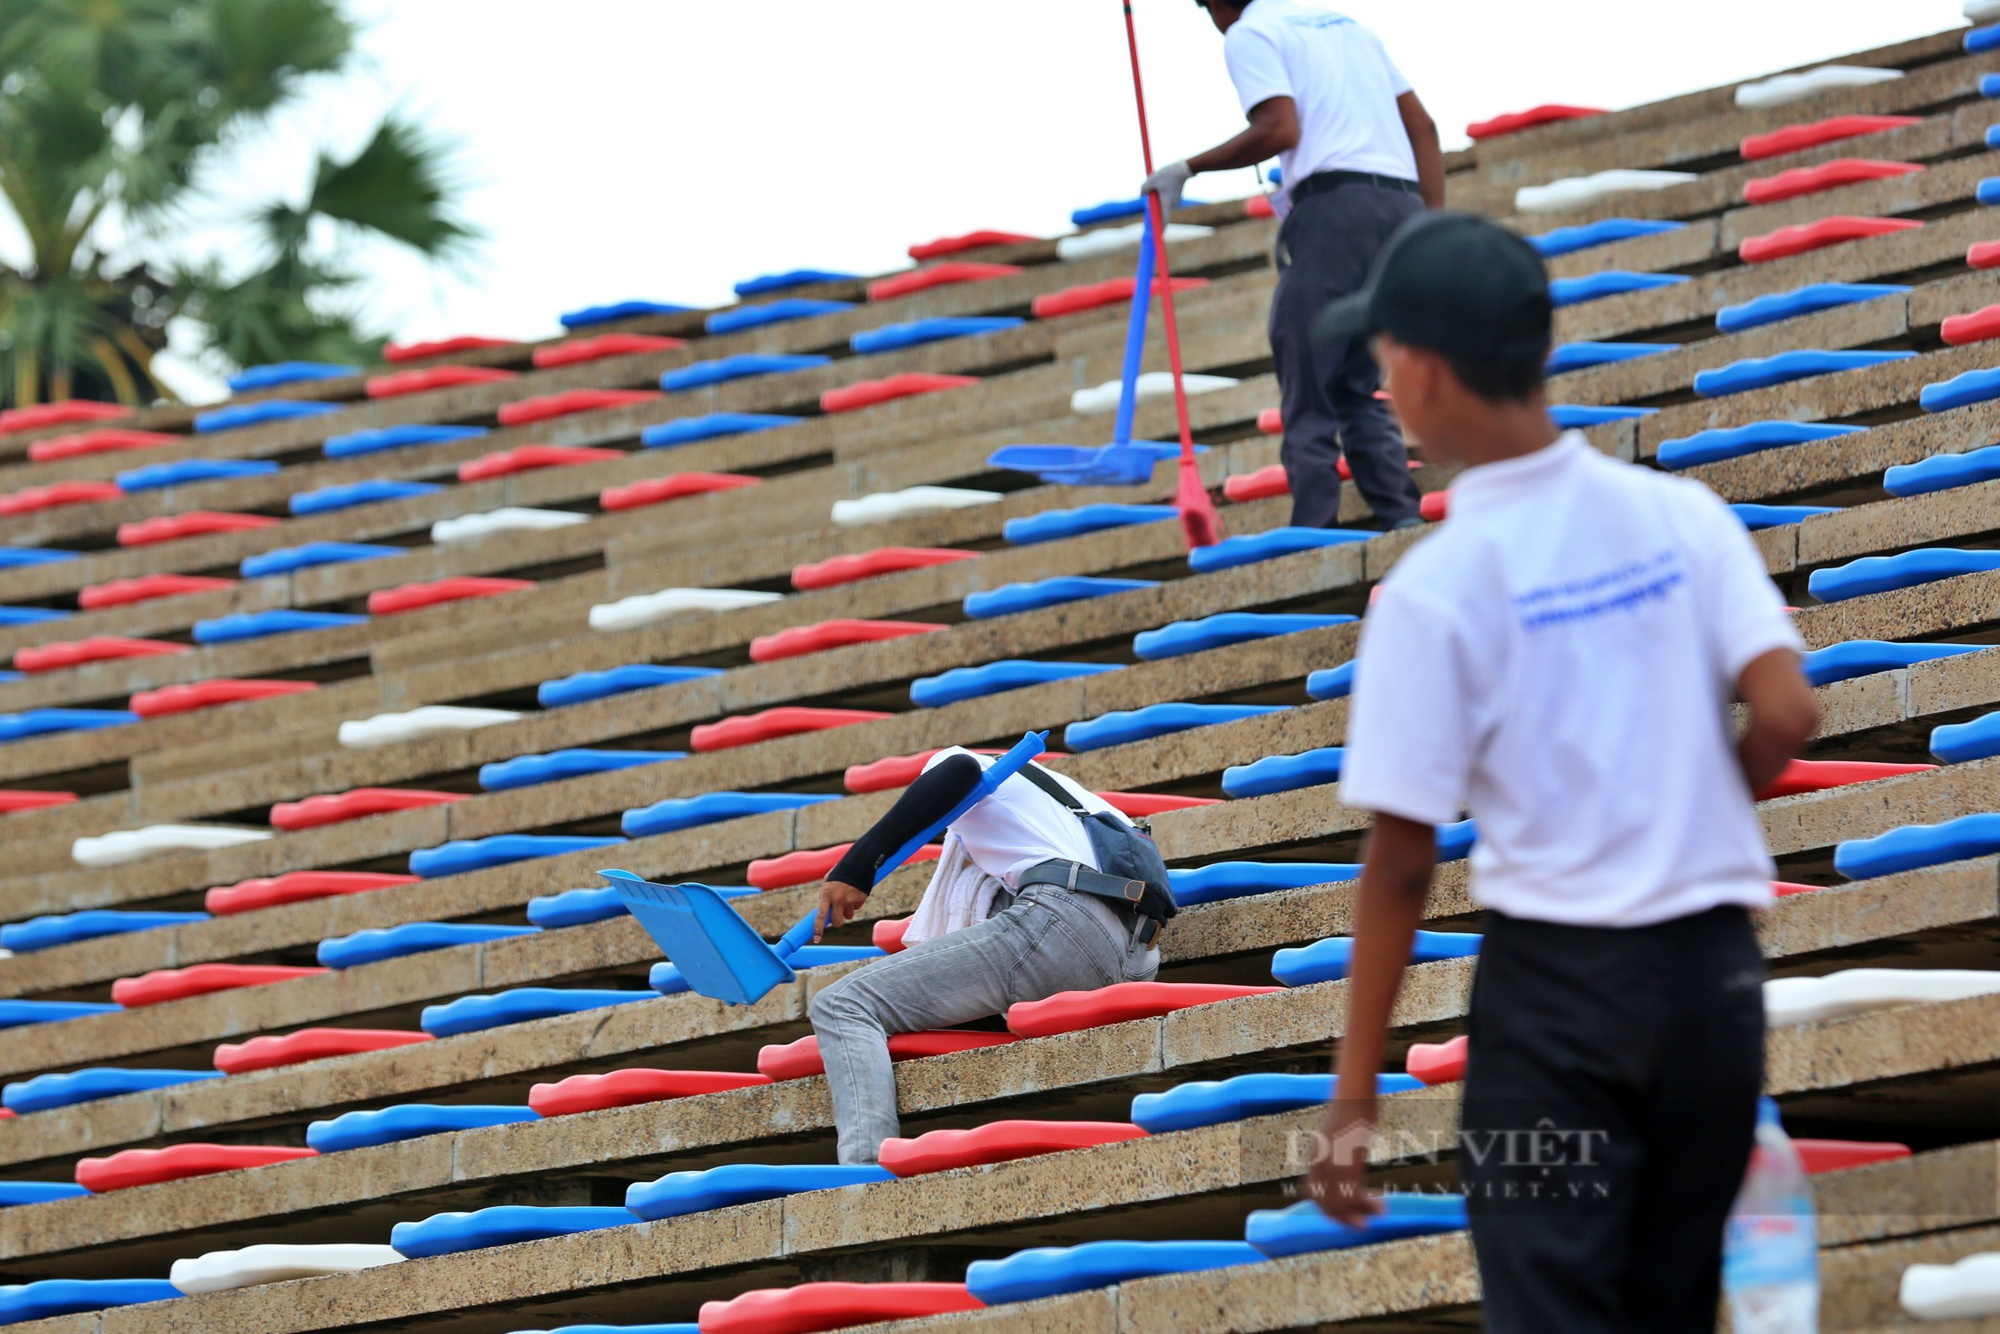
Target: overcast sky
[{"x": 664, "y": 149}]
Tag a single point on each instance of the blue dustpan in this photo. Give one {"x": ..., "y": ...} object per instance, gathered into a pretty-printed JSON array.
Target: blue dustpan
[{"x": 719, "y": 953}]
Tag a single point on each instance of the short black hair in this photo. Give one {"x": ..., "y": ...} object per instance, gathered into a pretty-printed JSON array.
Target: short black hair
[{"x": 1511, "y": 376}]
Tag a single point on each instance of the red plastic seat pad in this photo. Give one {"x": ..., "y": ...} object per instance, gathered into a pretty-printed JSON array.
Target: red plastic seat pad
[
  {"x": 811, "y": 1307},
  {"x": 194, "y": 523},
  {"x": 1835, "y": 1155},
  {"x": 108, "y": 440},
  {"x": 1433, "y": 505},
  {"x": 1069, "y": 1011},
  {"x": 902, "y": 770},
  {"x": 1826, "y": 176},
  {"x": 868, "y": 393},
  {"x": 527, "y": 458},
  {"x": 297, "y": 887},
  {"x": 1140, "y": 805},
  {"x": 1259, "y": 206},
  {"x": 958, "y": 245},
  {"x": 1785, "y": 888},
  {"x": 786, "y": 720},
  {"x": 145, "y": 587},
  {"x": 837, "y": 570},
  {"x": 398, "y": 383},
  {"x": 146, "y": 1167},
  {"x": 1513, "y": 122},
  {"x": 1271, "y": 421},
  {"x": 837, "y": 633},
  {"x": 1110, "y": 292},
  {"x": 674, "y": 486},
  {"x": 802, "y": 868},
  {"x": 1977, "y": 327},
  {"x": 579, "y": 350},
  {"x": 887, "y": 934},
  {"x": 624, "y": 1088},
  {"x": 57, "y": 494},
  {"x": 97, "y": 648},
  {"x": 209, "y": 694},
  {"x": 1798, "y": 239},
  {"x": 1797, "y": 138},
  {"x": 454, "y": 588},
  {"x": 16, "y": 799},
  {"x": 570, "y": 402},
  {"x": 999, "y": 1142},
  {"x": 1438, "y": 1062},
  {"x": 172, "y": 984},
  {"x": 798, "y": 1060},
  {"x": 338, "y": 807},
  {"x": 1983, "y": 255},
  {"x": 66, "y": 413},
  {"x": 309, "y": 1044},
  {"x": 938, "y": 275},
  {"x": 441, "y": 347},
  {"x": 1818, "y": 775},
  {"x": 1262, "y": 484}
]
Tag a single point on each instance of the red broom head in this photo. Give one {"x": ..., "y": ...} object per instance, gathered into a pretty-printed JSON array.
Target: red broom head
[{"x": 1199, "y": 520}]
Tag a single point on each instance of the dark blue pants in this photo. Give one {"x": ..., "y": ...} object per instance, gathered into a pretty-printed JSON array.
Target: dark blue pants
[{"x": 1325, "y": 246}]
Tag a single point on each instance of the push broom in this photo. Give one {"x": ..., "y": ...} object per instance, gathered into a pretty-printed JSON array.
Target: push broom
[{"x": 1199, "y": 520}]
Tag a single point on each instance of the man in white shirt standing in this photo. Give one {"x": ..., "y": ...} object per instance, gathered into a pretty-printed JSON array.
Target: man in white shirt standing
[
  {"x": 1360, "y": 155},
  {"x": 1561, "y": 658}
]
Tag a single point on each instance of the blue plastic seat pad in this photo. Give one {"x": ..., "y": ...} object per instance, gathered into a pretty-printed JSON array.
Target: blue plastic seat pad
[
  {"x": 239, "y": 416},
  {"x": 44, "y": 1092},
  {"x": 1054, "y": 525},
  {"x": 1304, "y": 1227},
  {"x": 1049, "y": 1271},
  {"x": 680, "y": 1193},
  {"x": 472, "y": 854},
  {"x": 286, "y": 372},
  {"x": 1212, "y": 1102},
  {"x": 386, "y": 1125},
  {"x": 1566, "y": 240},
  {"x": 1328, "y": 960},
  {"x": 586, "y": 686},
  {"x": 472, "y": 1014},
  {"x": 16, "y": 557},
  {"x": 1235, "y": 880},
  {"x": 1224, "y": 628},
  {"x": 1961, "y": 390},
  {"x": 619, "y": 310},
  {"x": 31, "y": 615},
  {"x": 1881, "y": 574},
  {"x": 1116, "y": 209},
  {"x": 19, "y": 1013},
  {"x": 1331, "y": 682},
  {"x": 530, "y": 770},
  {"x": 396, "y": 437},
  {"x": 1576, "y": 416},
  {"x": 278, "y": 621},
  {"x": 50, "y": 1297},
  {"x": 1283, "y": 773},
  {"x": 1798, "y": 364},
  {"x": 1785, "y": 305},
  {"x": 704, "y": 373},
  {"x": 1608, "y": 282},
  {"x": 1115, "y": 729},
  {"x": 502, "y": 1225},
  {"x": 1011, "y": 598},
  {"x": 1942, "y": 472},
  {"x": 1758, "y": 517},
  {"x": 779, "y": 282},
  {"x": 1916, "y": 846},
  {"x": 1249, "y": 548},
  {"x": 711, "y": 426},
  {"x": 187, "y": 472},
  {"x": 963, "y": 683},
  {"x": 40, "y": 933},
  {"x": 44, "y": 722},
  {"x": 393, "y": 942},
  {"x": 329, "y": 499},
  {"x": 1730, "y": 442},
  {"x": 1844, "y": 661},
  {"x": 772, "y": 312},
  {"x": 37, "y": 1192},
  {"x": 664, "y": 817},
  {"x": 284, "y": 560},
  {"x": 1955, "y": 743},
  {"x": 914, "y": 333},
  {"x": 1567, "y": 357}
]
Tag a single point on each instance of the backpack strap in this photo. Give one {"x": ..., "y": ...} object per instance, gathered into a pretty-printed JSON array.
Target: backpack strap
[{"x": 1046, "y": 781}]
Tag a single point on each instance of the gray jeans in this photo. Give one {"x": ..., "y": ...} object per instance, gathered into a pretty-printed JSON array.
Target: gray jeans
[{"x": 1050, "y": 940}]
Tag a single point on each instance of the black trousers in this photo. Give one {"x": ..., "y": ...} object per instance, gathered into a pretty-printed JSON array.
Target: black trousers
[
  {"x": 1610, "y": 1107},
  {"x": 1325, "y": 246}
]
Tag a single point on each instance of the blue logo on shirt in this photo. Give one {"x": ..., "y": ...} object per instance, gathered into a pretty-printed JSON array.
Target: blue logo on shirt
[{"x": 1622, "y": 589}]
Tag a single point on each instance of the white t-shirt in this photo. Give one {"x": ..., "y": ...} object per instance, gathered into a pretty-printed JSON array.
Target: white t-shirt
[
  {"x": 1560, "y": 659},
  {"x": 1340, "y": 77}
]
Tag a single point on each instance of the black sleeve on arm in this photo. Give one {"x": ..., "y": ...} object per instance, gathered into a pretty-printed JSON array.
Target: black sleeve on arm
[{"x": 923, "y": 802}]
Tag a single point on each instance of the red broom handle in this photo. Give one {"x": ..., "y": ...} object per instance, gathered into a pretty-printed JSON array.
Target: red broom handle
[{"x": 1159, "y": 240}]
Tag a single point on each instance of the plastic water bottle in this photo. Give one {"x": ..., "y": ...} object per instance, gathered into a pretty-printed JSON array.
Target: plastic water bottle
[{"x": 1770, "y": 1249}]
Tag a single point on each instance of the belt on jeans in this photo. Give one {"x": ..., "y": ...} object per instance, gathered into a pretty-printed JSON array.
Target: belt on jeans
[
  {"x": 1328, "y": 180},
  {"x": 1081, "y": 879}
]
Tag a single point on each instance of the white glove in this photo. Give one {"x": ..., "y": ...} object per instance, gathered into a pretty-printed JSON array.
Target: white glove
[{"x": 1168, "y": 182}]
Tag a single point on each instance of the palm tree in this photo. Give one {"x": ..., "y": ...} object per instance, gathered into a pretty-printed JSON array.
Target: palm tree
[{"x": 114, "y": 115}]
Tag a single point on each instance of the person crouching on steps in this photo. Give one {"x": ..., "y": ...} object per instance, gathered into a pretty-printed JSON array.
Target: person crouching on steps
[{"x": 1038, "y": 891}]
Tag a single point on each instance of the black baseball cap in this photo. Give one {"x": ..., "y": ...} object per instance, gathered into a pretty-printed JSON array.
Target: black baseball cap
[{"x": 1452, "y": 282}]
